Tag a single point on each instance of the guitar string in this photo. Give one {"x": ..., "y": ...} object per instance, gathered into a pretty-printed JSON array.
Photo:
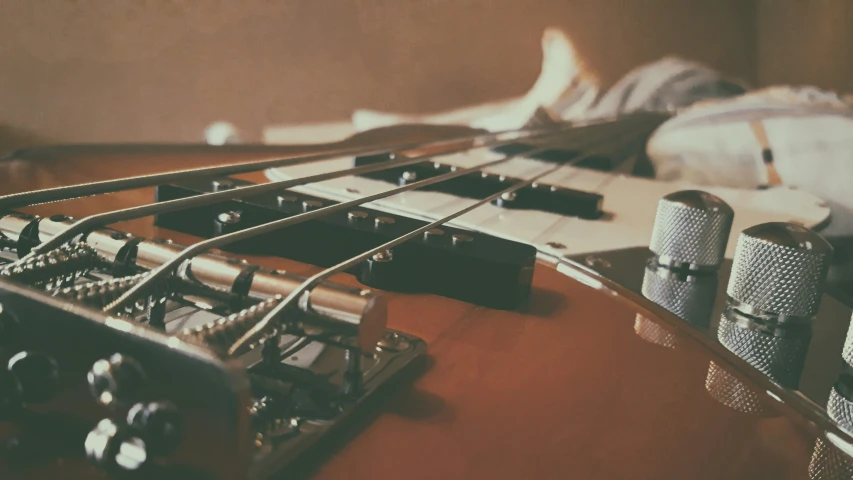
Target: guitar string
[
  {"x": 259, "y": 329},
  {"x": 36, "y": 197},
  {"x": 93, "y": 221},
  {"x": 620, "y": 168},
  {"x": 54, "y": 194},
  {"x": 216, "y": 242}
]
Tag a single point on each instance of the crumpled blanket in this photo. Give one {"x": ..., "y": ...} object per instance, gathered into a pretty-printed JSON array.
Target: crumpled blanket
[{"x": 567, "y": 91}]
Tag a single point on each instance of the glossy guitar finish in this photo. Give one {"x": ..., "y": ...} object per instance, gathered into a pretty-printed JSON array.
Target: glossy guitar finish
[{"x": 561, "y": 388}]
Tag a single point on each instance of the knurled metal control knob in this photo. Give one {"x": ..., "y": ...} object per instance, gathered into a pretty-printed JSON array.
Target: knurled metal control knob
[
  {"x": 690, "y": 297},
  {"x": 776, "y": 350},
  {"x": 691, "y": 229},
  {"x": 779, "y": 269}
]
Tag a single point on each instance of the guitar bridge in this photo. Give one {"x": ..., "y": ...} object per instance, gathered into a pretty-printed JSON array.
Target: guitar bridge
[{"x": 157, "y": 378}]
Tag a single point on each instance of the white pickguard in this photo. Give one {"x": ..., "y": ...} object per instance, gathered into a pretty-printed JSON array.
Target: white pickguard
[{"x": 630, "y": 202}]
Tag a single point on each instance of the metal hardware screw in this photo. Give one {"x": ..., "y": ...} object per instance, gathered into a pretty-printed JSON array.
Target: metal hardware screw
[
  {"x": 309, "y": 205},
  {"x": 356, "y": 215},
  {"x": 228, "y": 218},
  {"x": 596, "y": 262},
  {"x": 383, "y": 257},
  {"x": 380, "y": 221},
  {"x": 286, "y": 198},
  {"x": 223, "y": 184},
  {"x": 461, "y": 238}
]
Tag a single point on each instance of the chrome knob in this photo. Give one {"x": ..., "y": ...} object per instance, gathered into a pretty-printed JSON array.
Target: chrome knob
[
  {"x": 779, "y": 269},
  {"x": 691, "y": 229},
  {"x": 115, "y": 380},
  {"x": 115, "y": 447},
  {"x": 158, "y": 423},
  {"x": 689, "y": 297}
]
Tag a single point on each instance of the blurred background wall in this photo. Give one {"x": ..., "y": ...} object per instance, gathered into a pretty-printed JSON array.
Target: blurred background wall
[
  {"x": 128, "y": 70},
  {"x": 806, "y": 42}
]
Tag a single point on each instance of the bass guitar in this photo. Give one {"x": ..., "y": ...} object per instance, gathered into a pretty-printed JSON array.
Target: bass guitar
[{"x": 414, "y": 301}]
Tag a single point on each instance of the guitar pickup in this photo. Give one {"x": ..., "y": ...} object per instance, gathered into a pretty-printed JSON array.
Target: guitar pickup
[
  {"x": 448, "y": 261},
  {"x": 478, "y": 185}
]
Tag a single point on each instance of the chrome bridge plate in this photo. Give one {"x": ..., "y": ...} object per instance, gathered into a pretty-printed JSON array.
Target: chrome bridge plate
[
  {"x": 196, "y": 380},
  {"x": 289, "y": 439}
]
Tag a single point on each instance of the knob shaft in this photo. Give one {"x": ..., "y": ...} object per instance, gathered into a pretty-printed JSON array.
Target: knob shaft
[
  {"x": 691, "y": 229},
  {"x": 779, "y": 269}
]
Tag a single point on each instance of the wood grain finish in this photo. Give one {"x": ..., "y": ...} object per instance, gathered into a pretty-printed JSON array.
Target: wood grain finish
[{"x": 562, "y": 388}]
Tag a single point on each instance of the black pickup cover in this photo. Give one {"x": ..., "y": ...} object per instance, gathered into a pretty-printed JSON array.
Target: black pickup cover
[
  {"x": 563, "y": 201},
  {"x": 486, "y": 270}
]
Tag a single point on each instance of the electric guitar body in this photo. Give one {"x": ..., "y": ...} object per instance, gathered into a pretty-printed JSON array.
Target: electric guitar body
[{"x": 561, "y": 361}]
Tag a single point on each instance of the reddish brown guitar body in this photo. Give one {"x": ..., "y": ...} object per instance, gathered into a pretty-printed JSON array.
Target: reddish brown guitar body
[{"x": 563, "y": 388}]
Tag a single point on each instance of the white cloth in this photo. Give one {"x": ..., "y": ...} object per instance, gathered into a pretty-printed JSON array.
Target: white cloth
[
  {"x": 809, "y": 131},
  {"x": 562, "y": 84}
]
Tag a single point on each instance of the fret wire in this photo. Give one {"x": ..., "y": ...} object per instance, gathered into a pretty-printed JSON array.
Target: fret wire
[
  {"x": 223, "y": 240},
  {"x": 48, "y": 195},
  {"x": 256, "y": 332},
  {"x": 101, "y": 219}
]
